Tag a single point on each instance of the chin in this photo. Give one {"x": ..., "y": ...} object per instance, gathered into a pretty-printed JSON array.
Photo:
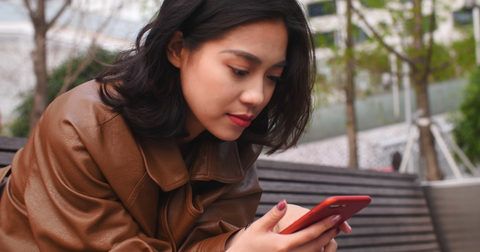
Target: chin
[{"x": 227, "y": 136}]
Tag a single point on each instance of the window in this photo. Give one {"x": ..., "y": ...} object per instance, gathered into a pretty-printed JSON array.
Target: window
[
  {"x": 359, "y": 34},
  {"x": 463, "y": 17},
  {"x": 324, "y": 39},
  {"x": 322, "y": 8}
]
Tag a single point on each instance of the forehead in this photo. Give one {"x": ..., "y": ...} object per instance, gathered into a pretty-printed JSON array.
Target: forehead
[{"x": 267, "y": 40}]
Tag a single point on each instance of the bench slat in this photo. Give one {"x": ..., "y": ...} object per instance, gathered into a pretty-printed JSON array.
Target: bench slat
[
  {"x": 385, "y": 221},
  {"x": 273, "y": 186},
  {"x": 388, "y": 221},
  {"x": 369, "y": 210},
  {"x": 349, "y": 241},
  {"x": 6, "y": 158},
  {"x": 331, "y": 179},
  {"x": 266, "y": 164},
  {"x": 12, "y": 143},
  {"x": 269, "y": 197},
  {"x": 423, "y": 247},
  {"x": 388, "y": 230}
]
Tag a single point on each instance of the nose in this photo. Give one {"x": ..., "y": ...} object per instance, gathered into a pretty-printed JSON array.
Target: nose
[{"x": 253, "y": 94}]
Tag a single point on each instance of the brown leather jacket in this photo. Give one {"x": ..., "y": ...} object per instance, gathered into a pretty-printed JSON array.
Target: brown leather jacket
[{"x": 84, "y": 182}]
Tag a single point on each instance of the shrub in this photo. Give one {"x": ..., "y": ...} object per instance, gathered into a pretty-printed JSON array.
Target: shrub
[
  {"x": 467, "y": 119},
  {"x": 19, "y": 127}
]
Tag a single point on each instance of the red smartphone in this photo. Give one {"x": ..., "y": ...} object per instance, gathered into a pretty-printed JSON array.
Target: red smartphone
[{"x": 345, "y": 206}]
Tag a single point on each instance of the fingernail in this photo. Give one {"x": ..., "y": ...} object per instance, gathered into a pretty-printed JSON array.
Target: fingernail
[
  {"x": 281, "y": 205},
  {"x": 349, "y": 227},
  {"x": 336, "y": 219}
]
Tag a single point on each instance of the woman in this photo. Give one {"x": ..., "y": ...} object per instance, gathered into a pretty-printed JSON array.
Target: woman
[{"x": 157, "y": 154}]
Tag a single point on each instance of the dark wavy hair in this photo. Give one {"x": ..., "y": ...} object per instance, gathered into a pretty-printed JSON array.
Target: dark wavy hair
[{"x": 149, "y": 94}]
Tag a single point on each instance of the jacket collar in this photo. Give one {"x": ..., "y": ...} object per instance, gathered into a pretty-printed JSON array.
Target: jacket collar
[{"x": 225, "y": 162}]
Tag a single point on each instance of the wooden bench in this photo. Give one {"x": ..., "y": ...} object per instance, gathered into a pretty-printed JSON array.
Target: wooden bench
[
  {"x": 8, "y": 147},
  {"x": 398, "y": 219}
]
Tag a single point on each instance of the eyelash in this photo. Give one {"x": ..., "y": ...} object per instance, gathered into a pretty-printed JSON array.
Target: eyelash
[
  {"x": 275, "y": 78},
  {"x": 239, "y": 72},
  {"x": 242, "y": 73}
]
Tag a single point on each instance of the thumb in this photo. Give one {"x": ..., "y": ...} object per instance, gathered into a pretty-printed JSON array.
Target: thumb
[{"x": 270, "y": 219}]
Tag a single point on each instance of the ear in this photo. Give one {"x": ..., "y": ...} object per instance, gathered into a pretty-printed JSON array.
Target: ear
[{"x": 174, "y": 49}]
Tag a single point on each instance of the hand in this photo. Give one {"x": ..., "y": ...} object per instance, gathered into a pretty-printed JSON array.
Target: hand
[{"x": 260, "y": 236}]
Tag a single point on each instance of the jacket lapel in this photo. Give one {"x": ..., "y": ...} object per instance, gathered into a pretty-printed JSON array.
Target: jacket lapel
[
  {"x": 225, "y": 162},
  {"x": 164, "y": 163}
]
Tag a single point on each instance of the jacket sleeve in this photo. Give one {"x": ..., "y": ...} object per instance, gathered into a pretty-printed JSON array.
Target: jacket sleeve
[
  {"x": 69, "y": 203},
  {"x": 225, "y": 216}
]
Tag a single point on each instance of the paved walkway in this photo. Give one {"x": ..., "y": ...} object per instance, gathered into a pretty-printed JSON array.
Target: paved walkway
[{"x": 375, "y": 148}]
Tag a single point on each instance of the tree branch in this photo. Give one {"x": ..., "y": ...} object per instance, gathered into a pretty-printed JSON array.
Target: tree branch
[
  {"x": 31, "y": 13},
  {"x": 382, "y": 42},
  {"x": 70, "y": 78},
  {"x": 54, "y": 19},
  {"x": 443, "y": 66}
]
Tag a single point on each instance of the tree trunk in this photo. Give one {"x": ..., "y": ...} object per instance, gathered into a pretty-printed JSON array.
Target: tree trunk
[
  {"x": 419, "y": 74},
  {"x": 39, "y": 54},
  {"x": 350, "y": 91},
  {"x": 39, "y": 59}
]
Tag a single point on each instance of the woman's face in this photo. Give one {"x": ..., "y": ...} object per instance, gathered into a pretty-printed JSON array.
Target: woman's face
[{"x": 228, "y": 81}]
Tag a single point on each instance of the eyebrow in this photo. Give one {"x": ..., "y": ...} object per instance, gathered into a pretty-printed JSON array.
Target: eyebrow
[{"x": 252, "y": 57}]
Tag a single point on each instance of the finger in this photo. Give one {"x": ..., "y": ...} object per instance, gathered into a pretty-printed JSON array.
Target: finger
[
  {"x": 320, "y": 243},
  {"x": 314, "y": 231},
  {"x": 332, "y": 246},
  {"x": 270, "y": 219},
  {"x": 345, "y": 228}
]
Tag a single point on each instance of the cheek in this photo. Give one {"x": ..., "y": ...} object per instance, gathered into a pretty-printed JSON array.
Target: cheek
[
  {"x": 206, "y": 89},
  {"x": 205, "y": 77}
]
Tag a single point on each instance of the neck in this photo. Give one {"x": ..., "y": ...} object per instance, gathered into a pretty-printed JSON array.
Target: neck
[{"x": 194, "y": 127}]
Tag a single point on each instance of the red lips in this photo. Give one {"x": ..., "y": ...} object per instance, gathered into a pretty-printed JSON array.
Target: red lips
[{"x": 241, "y": 120}]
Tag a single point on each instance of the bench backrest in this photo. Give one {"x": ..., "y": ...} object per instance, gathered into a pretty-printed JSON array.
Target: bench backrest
[
  {"x": 8, "y": 147},
  {"x": 398, "y": 219}
]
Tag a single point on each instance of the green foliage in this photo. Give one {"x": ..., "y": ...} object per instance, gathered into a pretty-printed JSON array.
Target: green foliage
[
  {"x": 19, "y": 127},
  {"x": 440, "y": 57},
  {"x": 375, "y": 60},
  {"x": 467, "y": 120},
  {"x": 324, "y": 39},
  {"x": 464, "y": 51},
  {"x": 378, "y": 4},
  {"x": 409, "y": 24}
]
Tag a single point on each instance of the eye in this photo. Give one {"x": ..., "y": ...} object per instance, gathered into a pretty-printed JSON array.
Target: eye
[
  {"x": 239, "y": 72},
  {"x": 275, "y": 79}
]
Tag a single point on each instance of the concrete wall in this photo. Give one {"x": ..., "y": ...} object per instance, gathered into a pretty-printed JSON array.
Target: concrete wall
[
  {"x": 376, "y": 111},
  {"x": 454, "y": 207}
]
